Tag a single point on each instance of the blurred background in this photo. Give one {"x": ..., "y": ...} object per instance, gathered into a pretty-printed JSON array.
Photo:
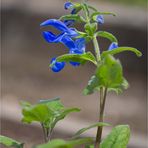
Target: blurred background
[{"x": 25, "y": 74}]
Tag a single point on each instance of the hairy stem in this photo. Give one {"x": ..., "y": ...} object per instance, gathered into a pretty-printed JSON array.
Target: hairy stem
[{"x": 97, "y": 50}]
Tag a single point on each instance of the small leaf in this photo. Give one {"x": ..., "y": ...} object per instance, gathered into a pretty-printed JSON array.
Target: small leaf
[
  {"x": 93, "y": 16},
  {"x": 121, "y": 49},
  {"x": 93, "y": 85},
  {"x": 107, "y": 35},
  {"x": 58, "y": 143},
  {"x": 81, "y": 58},
  {"x": 9, "y": 142},
  {"x": 74, "y": 17},
  {"x": 90, "y": 29},
  {"x": 89, "y": 127},
  {"x": 118, "y": 138}
]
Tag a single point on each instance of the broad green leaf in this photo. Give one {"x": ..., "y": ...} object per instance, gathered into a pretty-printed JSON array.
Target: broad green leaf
[
  {"x": 74, "y": 17},
  {"x": 9, "y": 142},
  {"x": 109, "y": 74},
  {"x": 118, "y": 138},
  {"x": 58, "y": 143},
  {"x": 89, "y": 127},
  {"x": 93, "y": 85},
  {"x": 46, "y": 112},
  {"x": 107, "y": 35},
  {"x": 37, "y": 113},
  {"x": 81, "y": 58},
  {"x": 62, "y": 114},
  {"x": 121, "y": 49}
]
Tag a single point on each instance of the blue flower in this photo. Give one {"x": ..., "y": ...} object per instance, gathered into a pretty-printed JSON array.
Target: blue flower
[
  {"x": 100, "y": 19},
  {"x": 56, "y": 66},
  {"x": 113, "y": 46},
  {"x": 68, "y": 5},
  {"x": 65, "y": 37},
  {"x": 59, "y": 25}
]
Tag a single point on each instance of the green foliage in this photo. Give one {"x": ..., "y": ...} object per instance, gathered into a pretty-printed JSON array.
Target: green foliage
[
  {"x": 118, "y": 138},
  {"x": 90, "y": 29},
  {"x": 46, "y": 112},
  {"x": 58, "y": 143},
  {"x": 121, "y": 49},
  {"x": 9, "y": 142},
  {"x": 81, "y": 58},
  {"x": 109, "y": 75},
  {"x": 89, "y": 127},
  {"x": 107, "y": 35}
]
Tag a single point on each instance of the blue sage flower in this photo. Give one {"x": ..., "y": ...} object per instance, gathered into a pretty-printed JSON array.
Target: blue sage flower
[
  {"x": 113, "y": 46},
  {"x": 59, "y": 25},
  {"x": 56, "y": 66},
  {"x": 100, "y": 19},
  {"x": 68, "y": 5},
  {"x": 65, "y": 37}
]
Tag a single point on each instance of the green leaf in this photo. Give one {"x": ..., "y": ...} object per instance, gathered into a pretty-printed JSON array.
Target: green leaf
[
  {"x": 9, "y": 142},
  {"x": 89, "y": 127},
  {"x": 107, "y": 35},
  {"x": 93, "y": 85},
  {"x": 38, "y": 113},
  {"x": 81, "y": 58},
  {"x": 61, "y": 115},
  {"x": 46, "y": 112},
  {"x": 58, "y": 143},
  {"x": 90, "y": 29},
  {"x": 109, "y": 74},
  {"x": 89, "y": 146},
  {"x": 118, "y": 138},
  {"x": 121, "y": 49},
  {"x": 74, "y": 17},
  {"x": 95, "y": 14}
]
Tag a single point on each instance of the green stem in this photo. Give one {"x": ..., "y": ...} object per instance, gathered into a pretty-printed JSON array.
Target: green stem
[
  {"x": 45, "y": 133},
  {"x": 103, "y": 93},
  {"x": 97, "y": 50}
]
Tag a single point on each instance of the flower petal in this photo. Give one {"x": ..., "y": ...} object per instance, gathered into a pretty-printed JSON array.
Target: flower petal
[
  {"x": 69, "y": 23},
  {"x": 55, "y": 23},
  {"x": 80, "y": 44},
  {"x": 52, "y": 38},
  {"x": 56, "y": 66},
  {"x": 113, "y": 46},
  {"x": 68, "y": 42},
  {"x": 100, "y": 19}
]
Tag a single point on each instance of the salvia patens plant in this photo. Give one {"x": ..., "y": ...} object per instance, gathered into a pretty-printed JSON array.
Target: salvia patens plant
[{"x": 107, "y": 77}]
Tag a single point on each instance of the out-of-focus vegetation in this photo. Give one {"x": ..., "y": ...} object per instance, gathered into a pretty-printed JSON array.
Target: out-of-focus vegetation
[{"x": 130, "y": 2}]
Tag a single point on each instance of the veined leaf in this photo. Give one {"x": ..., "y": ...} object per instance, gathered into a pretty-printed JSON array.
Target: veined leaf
[
  {"x": 89, "y": 127},
  {"x": 107, "y": 35},
  {"x": 121, "y": 49},
  {"x": 58, "y": 143},
  {"x": 109, "y": 74},
  {"x": 118, "y": 138},
  {"x": 81, "y": 58},
  {"x": 9, "y": 142}
]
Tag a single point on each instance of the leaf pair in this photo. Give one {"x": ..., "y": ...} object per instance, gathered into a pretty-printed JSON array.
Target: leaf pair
[{"x": 46, "y": 112}]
